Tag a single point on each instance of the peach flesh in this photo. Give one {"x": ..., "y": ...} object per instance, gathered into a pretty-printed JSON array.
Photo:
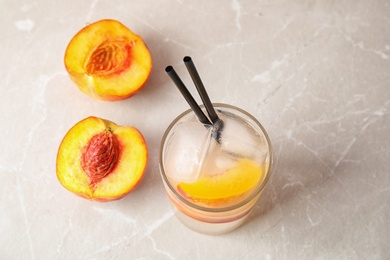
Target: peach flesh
[
  {"x": 99, "y": 160},
  {"x": 107, "y": 61}
]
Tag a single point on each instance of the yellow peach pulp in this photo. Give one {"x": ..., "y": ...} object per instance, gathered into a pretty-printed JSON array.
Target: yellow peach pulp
[
  {"x": 108, "y": 61},
  {"x": 124, "y": 177}
]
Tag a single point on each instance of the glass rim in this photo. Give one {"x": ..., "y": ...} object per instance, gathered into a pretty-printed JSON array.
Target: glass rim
[{"x": 256, "y": 192}]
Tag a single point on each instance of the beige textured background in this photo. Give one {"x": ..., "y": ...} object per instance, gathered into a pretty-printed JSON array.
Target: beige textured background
[{"x": 315, "y": 73}]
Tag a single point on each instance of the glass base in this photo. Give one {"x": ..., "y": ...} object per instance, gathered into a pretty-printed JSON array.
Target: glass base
[{"x": 209, "y": 228}]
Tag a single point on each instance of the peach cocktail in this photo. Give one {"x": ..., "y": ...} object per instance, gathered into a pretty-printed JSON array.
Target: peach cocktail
[{"x": 214, "y": 184}]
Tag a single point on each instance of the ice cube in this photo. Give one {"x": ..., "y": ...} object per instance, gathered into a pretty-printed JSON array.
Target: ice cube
[
  {"x": 240, "y": 139},
  {"x": 217, "y": 161},
  {"x": 186, "y": 152}
]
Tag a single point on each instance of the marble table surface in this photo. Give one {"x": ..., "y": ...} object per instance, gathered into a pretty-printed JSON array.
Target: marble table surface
[{"x": 315, "y": 73}]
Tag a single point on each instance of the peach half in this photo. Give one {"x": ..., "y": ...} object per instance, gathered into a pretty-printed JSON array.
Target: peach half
[
  {"x": 107, "y": 61},
  {"x": 99, "y": 160}
]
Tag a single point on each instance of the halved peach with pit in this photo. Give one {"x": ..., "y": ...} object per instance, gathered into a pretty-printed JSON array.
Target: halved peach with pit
[
  {"x": 99, "y": 160},
  {"x": 107, "y": 61}
]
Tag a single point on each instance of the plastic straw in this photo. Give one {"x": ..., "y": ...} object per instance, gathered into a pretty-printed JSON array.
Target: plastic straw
[
  {"x": 187, "y": 95},
  {"x": 201, "y": 89}
]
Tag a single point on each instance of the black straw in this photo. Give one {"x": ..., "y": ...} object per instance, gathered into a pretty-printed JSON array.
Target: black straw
[
  {"x": 201, "y": 89},
  {"x": 218, "y": 124},
  {"x": 187, "y": 95}
]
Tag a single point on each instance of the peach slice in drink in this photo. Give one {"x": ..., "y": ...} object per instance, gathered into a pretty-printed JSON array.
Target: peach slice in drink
[{"x": 220, "y": 189}]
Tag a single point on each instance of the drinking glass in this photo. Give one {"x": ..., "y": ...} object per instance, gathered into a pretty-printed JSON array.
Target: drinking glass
[{"x": 214, "y": 177}]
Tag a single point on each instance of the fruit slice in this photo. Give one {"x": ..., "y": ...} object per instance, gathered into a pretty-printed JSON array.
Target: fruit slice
[
  {"x": 236, "y": 181},
  {"x": 107, "y": 61},
  {"x": 100, "y": 160}
]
